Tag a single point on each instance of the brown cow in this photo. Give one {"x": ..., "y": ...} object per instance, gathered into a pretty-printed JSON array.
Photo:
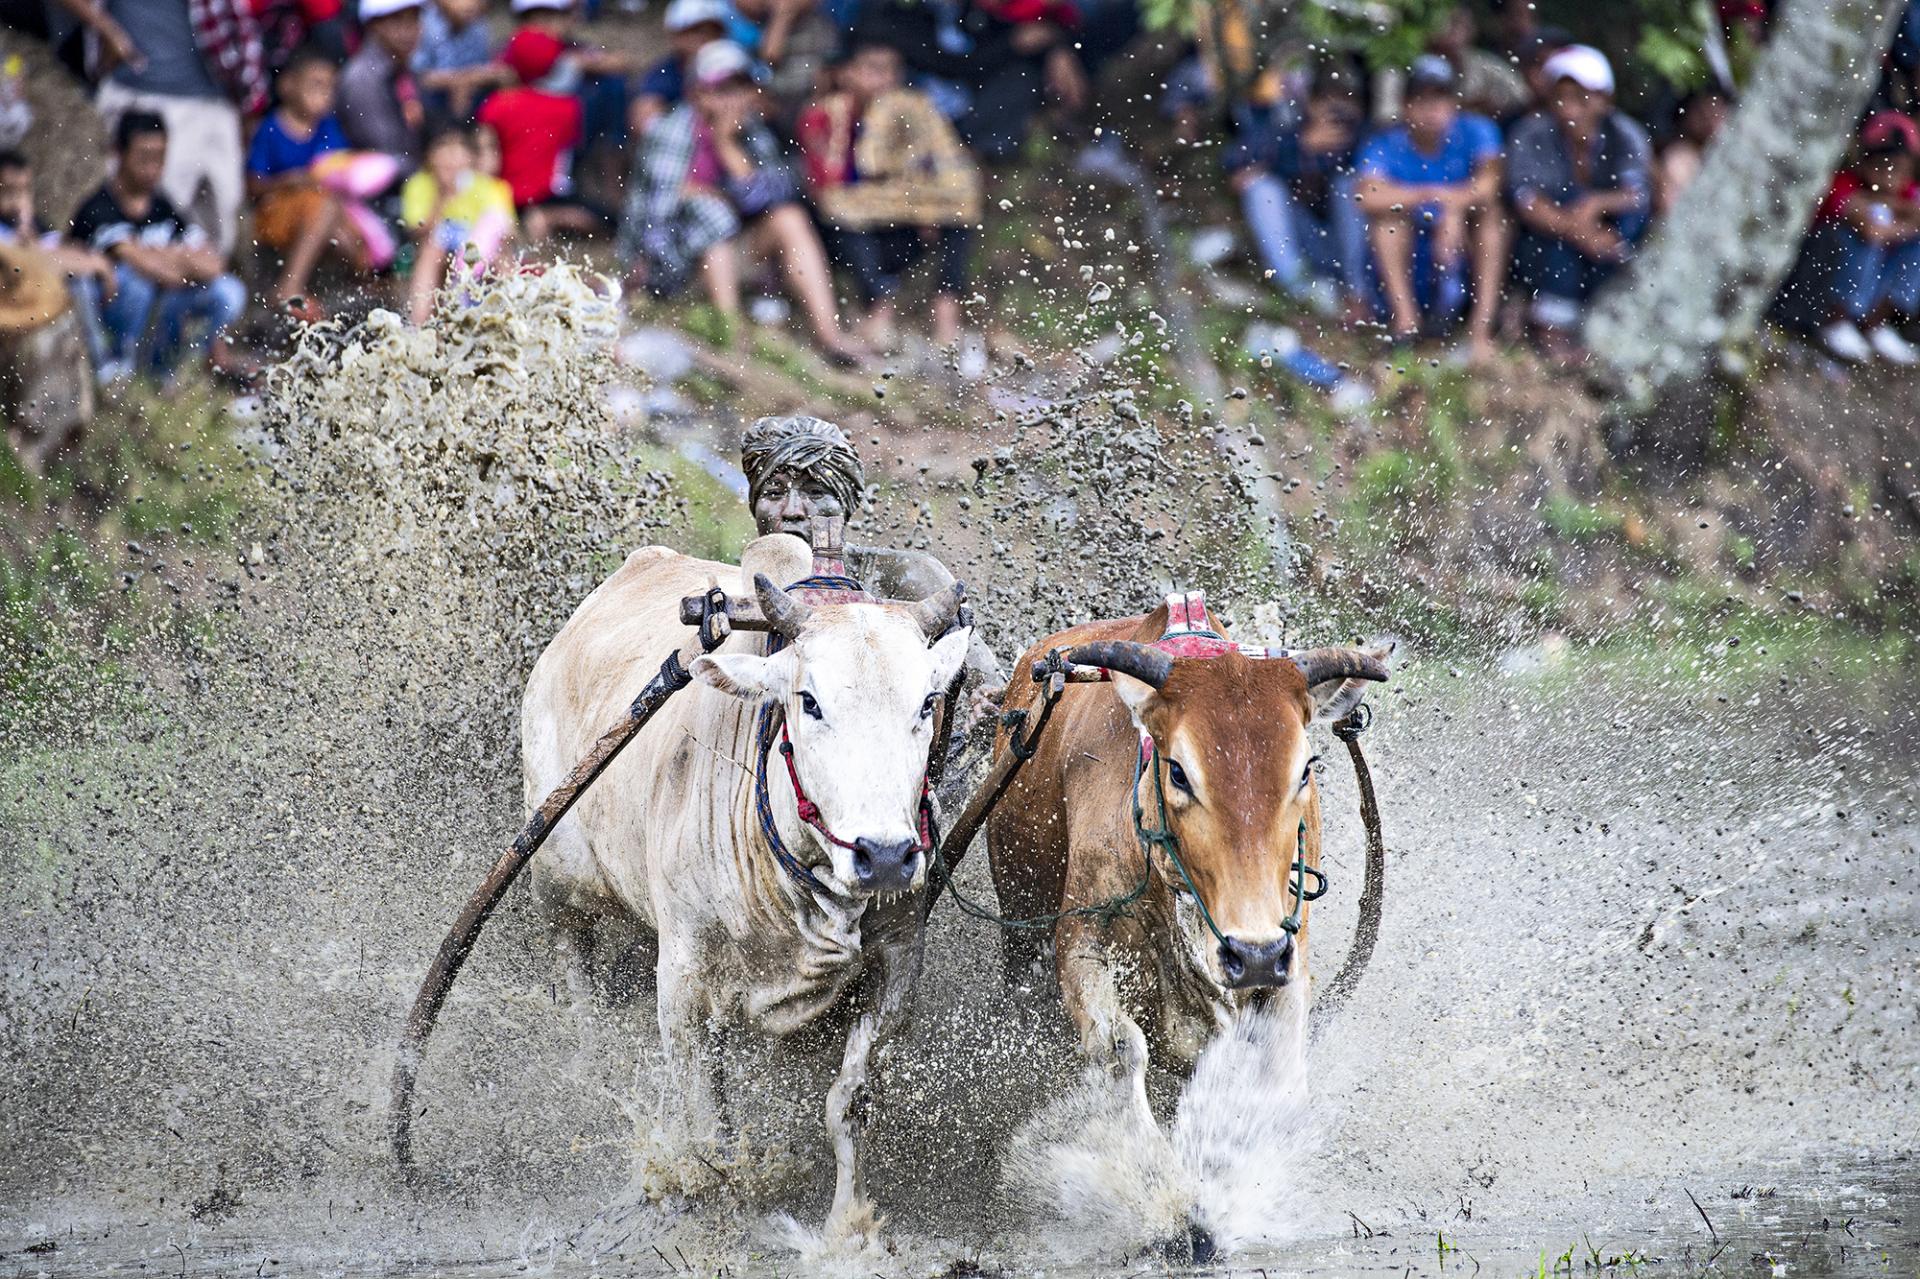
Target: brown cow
[{"x": 1230, "y": 742}]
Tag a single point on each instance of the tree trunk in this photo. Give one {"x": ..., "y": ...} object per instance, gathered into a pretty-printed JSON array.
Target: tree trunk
[{"x": 1713, "y": 265}]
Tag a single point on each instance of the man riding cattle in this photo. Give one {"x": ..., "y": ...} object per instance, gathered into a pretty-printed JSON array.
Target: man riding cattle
[
  {"x": 802, "y": 468},
  {"x": 1184, "y": 789}
]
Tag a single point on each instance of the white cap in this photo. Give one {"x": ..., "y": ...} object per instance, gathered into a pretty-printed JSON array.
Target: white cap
[
  {"x": 528, "y": 6},
  {"x": 1583, "y": 64},
  {"x": 371, "y": 9},
  {"x": 684, "y": 14},
  {"x": 720, "y": 60}
]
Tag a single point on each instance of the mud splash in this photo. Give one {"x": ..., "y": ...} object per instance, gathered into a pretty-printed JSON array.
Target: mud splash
[{"x": 1641, "y": 940}]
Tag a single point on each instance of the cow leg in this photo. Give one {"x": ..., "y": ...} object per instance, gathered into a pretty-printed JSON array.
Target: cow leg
[
  {"x": 689, "y": 1109},
  {"x": 850, "y": 1101},
  {"x": 1109, "y": 1035}
]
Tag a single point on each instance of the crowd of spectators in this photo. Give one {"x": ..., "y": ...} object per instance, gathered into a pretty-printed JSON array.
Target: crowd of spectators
[{"x": 1487, "y": 189}]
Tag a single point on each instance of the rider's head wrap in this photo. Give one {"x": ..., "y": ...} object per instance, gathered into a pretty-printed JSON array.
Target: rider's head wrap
[{"x": 803, "y": 444}]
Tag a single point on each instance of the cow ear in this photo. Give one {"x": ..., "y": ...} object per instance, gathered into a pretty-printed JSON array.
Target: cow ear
[
  {"x": 747, "y": 675},
  {"x": 948, "y": 653},
  {"x": 1136, "y": 695},
  {"x": 1335, "y": 699}
]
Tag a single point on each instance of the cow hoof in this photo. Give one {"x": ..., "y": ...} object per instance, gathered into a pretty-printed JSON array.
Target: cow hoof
[
  {"x": 1196, "y": 1248},
  {"x": 854, "y": 1228},
  {"x": 1201, "y": 1240}
]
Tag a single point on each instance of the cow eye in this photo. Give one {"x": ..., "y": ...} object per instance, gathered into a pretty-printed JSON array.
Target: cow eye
[
  {"x": 1178, "y": 776},
  {"x": 926, "y": 707},
  {"x": 810, "y": 706}
]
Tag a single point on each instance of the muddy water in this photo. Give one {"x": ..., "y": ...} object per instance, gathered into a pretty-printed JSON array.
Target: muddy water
[{"x": 1652, "y": 934}]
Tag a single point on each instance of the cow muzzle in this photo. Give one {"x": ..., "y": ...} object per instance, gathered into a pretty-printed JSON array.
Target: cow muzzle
[
  {"x": 885, "y": 866},
  {"x": 1252, "y": 964}
]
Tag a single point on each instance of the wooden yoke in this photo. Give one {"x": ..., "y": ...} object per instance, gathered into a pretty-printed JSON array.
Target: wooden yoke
[{"x": 828, "y": 535}]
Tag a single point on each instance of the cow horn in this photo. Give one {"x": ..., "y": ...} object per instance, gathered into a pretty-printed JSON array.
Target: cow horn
[
  {"x": 1148, "y": 665},
  {"x": 1320, "y": 665},
  {"x": 936, "y": 612},
  {"x": 785, "y": 614}
]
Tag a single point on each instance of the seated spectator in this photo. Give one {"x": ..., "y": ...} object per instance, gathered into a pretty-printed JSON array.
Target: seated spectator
[
  {"x": 1296, "y": 185},
  {"x": 538, "y": 125},
  {"x": 710, "y": 173},
  {"x": 460, "y": 217},
  {"x": 167, "y": 273},
  {"x": 292, "y": 213},
  {"x": 793, "y": 40},
  {"x": 1580, "y": 177},
  {"x": 600, "y": 83},
  {"x": 20, "y": 224},
  {"x": 1489, "y": 84},
  {"x": 380, "y": 107},
  {"x": 1697, "y": 122},
  {"x": 453, "y": 64},
  {"x": 1431, "y": 191},
  {"x": 893, "y": 184},
  {"x": 1868, "y": 231},
  {"x": 691, "y": 25},
  {"x": 989, "y": 64}
]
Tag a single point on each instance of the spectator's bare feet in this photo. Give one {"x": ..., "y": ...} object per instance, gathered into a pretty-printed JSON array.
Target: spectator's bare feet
[
  {"x": 1559, "y": 347},
  {"x": 299, "y": 306},
  {"x": 1480, "y": 350},
  {"x": 234, "y": 366},
  {"x": 877, "y": 331}
]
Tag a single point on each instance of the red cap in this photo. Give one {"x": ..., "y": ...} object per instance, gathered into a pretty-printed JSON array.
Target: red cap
[
  {"x": 531, "y": 53},
  {"x": 1884, "y": 127}
]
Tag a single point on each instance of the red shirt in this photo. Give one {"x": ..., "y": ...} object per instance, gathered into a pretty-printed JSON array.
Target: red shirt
[
  {"x": 538, "y": 132},
  {"x": 1845, "y": 186}
]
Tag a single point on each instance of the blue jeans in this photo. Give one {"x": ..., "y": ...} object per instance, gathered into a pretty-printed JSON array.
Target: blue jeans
[
  {"x": 1296, "y": 246},
  {"x": 144, "y": 325},
  {"x": 1560, "y": 278},
  {"x": 1866, "y": 275}
]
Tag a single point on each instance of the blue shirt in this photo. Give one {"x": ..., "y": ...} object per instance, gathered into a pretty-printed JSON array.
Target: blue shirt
[
  {"x": 444, "y": 49},
  {"x": 667, "y": 81},
  {"x": 275, "y": 151},
  {"x": 1390, "y": 154}
]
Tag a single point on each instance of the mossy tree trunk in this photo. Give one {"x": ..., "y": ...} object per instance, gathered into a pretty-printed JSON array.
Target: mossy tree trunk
[{"x": 1713, "y": 265}]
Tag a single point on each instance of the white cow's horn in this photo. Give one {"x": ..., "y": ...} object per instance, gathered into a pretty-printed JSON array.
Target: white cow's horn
[
  {"x": 936, "y": 612},
  {"x": 783, "y": 612}
]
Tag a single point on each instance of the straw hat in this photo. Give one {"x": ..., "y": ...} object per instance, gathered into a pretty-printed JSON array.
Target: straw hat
[{"x": 31, "y": 291}]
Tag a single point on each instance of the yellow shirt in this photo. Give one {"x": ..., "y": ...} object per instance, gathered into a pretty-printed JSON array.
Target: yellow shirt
[{"x": 479, "y": 195}]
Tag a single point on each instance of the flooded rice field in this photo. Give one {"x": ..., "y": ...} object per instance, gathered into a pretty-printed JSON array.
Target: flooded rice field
[{"x": 1646, "y": 998}]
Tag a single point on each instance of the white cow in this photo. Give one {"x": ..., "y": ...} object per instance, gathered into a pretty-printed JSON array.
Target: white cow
[{"x": 670, "y": 837}]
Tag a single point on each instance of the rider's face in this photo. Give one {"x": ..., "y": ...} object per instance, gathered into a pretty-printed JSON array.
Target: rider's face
[{"x": 790, "y": 501}]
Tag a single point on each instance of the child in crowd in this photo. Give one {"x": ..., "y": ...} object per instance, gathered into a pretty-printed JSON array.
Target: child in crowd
[
  {"x": 292, "y": 213},
  {"x": 1580, "y": 180},
  {"x": 894, "y": 184},
  {"x": 454, "y": 64},
  {"x": 1296, "y": 187},
  {"x": 20, "y": 224},
  {"x": 1431, "y": 191},
  {"x": 1697, "y": 122},
  {"x": 167, "y": 273},
  {"x": 712, "y": 173},
  {"x": 1868, "y": 230},
  {"x": 691, "y": 25},
  {"x": 380, "y": 107},
  {"x": 539, "y": 124},
  {"x": 459, "y": 217}
]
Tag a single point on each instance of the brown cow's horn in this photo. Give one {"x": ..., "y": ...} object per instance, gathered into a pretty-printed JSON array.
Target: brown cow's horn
[
  {"x": 1320, "y": 665},
  {"x": 1148, "y": 665},
  {"x": 783, "y": 612},
  {"x": 936, "y": 612}
]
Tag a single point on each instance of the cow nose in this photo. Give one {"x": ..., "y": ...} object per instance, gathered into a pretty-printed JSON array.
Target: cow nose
[
  {"x": 1256, "y": 963},
  {"x": 885, "y": 866}
]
